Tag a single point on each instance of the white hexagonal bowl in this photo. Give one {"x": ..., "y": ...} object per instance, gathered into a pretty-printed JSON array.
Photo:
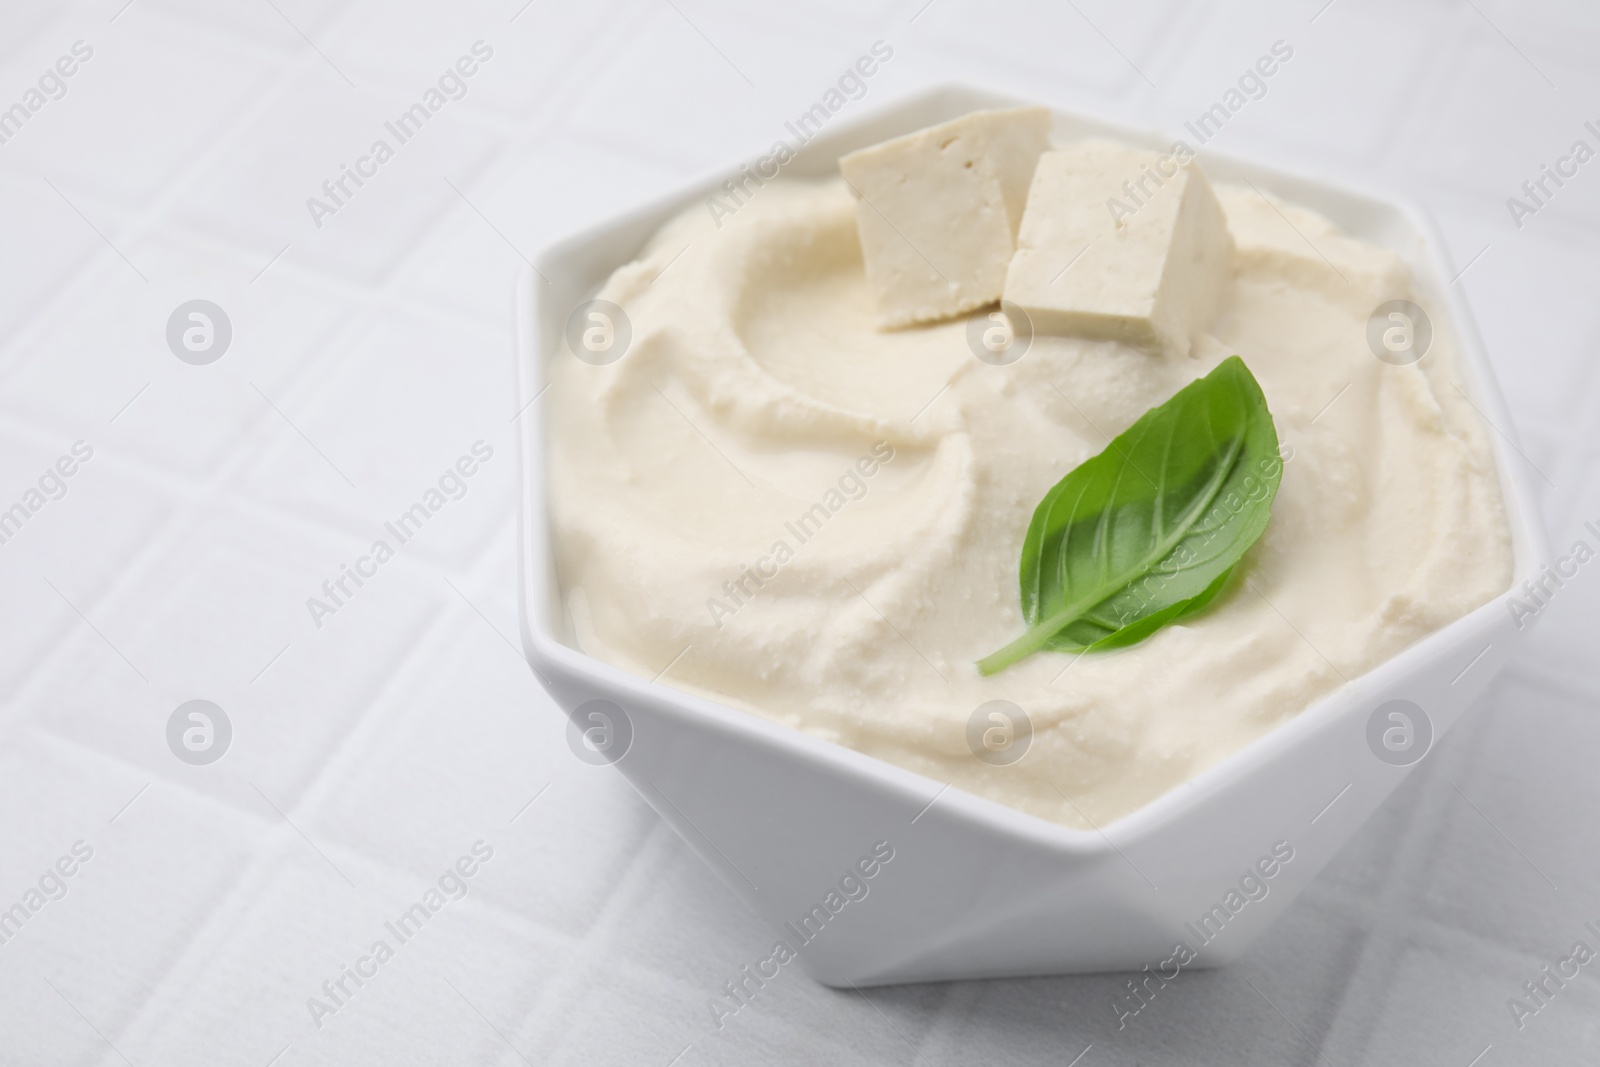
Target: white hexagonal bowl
[{"x": 976, "y": 889}]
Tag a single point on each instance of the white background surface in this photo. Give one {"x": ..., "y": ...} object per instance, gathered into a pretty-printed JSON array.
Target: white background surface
[{"x": 370, "y": 753}]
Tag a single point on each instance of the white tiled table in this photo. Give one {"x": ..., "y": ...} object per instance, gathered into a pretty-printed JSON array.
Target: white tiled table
[{"x": 369, "y": 753}]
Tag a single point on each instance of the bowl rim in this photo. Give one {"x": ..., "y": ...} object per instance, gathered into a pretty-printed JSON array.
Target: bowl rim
[{"x": 545, "y": 652}]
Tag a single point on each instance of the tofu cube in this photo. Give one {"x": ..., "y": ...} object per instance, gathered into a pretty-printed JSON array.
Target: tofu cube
[
  {"x": 937, "y": 211},
  {"x": 1121, "y": 243}
]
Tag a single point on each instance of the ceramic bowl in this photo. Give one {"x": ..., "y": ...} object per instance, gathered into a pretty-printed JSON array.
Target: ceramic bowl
[{"x": 973, "y": 888}]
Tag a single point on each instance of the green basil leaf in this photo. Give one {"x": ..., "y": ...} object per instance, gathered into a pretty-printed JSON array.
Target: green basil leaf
[{"x": 1149, "y": 531}]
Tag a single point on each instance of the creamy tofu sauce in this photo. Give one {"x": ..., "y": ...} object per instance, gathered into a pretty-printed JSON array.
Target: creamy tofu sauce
[{"x": 819, "y": 522}]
